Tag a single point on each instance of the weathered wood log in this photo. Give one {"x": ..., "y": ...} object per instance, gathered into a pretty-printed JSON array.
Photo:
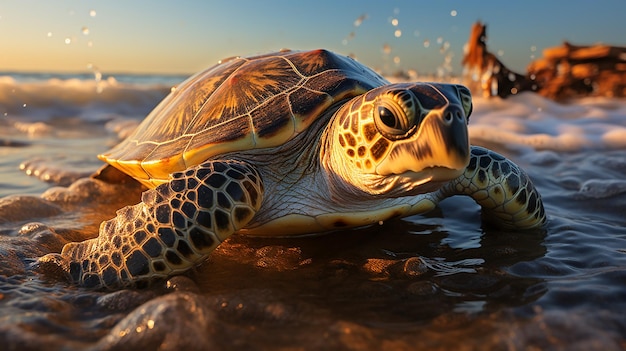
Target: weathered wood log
[
  {"x": 494, "y": 78},
  {"x": 566, "y": 71}
]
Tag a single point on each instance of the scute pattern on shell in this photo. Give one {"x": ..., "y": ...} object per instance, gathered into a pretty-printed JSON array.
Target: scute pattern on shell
[{"x": 240, "y": 104}]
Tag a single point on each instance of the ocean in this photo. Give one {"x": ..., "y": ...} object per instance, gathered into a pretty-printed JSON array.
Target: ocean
[{"x": 469, "y": 286}]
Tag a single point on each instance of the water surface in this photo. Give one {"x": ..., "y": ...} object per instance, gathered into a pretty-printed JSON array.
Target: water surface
[{"x": 438, "y": 281}]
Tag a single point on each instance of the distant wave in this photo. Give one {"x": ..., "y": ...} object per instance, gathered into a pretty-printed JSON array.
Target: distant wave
[
  {"x": 39, "y": 97},
  {"x": 29, "y": 77}
]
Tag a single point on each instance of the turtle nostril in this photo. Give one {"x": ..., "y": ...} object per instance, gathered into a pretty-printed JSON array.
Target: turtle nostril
[
  {"x": 459, "y": 115},
  {"x": 447, "y": 117}
]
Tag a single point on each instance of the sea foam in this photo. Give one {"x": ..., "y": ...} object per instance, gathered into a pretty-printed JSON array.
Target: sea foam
[
  {"x": 529, "y": 120},
  {"x": 41, "y": 100}
]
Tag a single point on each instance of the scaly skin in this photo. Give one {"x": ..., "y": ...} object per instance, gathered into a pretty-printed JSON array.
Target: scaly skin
[
  {"x": 175, "y": 227},
  {"x": 504, "y": 191}
]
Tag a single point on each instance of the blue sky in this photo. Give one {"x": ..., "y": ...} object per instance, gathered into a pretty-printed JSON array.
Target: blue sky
[{"x": 186, "y": 36}]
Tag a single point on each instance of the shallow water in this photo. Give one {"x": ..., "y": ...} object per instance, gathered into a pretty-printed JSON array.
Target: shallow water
[{"x": 438, "y": 281}]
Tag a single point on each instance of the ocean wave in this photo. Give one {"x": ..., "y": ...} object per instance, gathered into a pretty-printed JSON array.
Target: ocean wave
[
  {"x": 531, "y": 121},
  {"x": 90, "y": 100}
]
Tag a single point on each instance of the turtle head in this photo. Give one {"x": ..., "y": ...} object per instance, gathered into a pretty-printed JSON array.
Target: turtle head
[{"x": 402, "y": 139}]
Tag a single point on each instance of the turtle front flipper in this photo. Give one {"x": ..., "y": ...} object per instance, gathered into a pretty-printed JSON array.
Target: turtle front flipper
[
  {"x": 175, "y": 227},
  {"x": 504, "y": 191}
]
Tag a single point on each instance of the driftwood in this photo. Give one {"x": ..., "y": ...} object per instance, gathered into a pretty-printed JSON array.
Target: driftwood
[
  {"x": 563, "y": 72},
  {"x": 571, "y": 71},
  {"x": 491, "y": 75}
]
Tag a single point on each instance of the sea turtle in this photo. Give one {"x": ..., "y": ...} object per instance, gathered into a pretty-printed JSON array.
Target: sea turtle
[{"x": 290, "y": 143}]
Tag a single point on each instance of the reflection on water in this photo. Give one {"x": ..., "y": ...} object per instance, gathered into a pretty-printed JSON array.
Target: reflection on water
[
  {"x": 438, "y": 281},
  {"x": 388, "y": 283}
]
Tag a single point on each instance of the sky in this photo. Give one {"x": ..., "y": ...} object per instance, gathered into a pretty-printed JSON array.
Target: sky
[{"x": 184, "y": 36}]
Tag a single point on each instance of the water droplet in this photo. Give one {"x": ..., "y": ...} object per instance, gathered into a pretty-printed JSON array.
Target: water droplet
[
  {"x": 500, "y": 52},
  {"x": 416, "y": 33},
  {"x": 453, "y": 13},
  {"x": 90, "y": 44},
  {"x": 360, "y": 19},
  {"x": 533, "y": 48},
  {"x": 396, "y": 11},
  {"x": 68, "y": 41},
  {"x": 426, "y": 43},
  {"x": 387, "y": 48},
  {"x": 397, "y": 33},
  {"x": 92, "y": 13},
  {"x": 396, "y": 60},
  {"x": 439, "y": 40},
  {"x": 394, "y": 22},
  {"x": 85, "y": 30},
  {"x": 49, "y": 34}
]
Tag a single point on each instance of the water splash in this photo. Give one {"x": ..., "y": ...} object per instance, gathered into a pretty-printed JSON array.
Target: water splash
[
  {"x": 359, "y": 20},
  {"x": 357, "y": 23},
  {"x": 386, "y": 49},
  {"x": 97, "y": 75}
]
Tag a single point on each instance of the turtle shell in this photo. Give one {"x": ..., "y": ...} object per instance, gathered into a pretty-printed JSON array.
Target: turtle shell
[{"x": 238, "y": 104}]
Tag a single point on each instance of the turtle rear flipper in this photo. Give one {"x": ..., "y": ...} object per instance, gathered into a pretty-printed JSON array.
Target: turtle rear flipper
[
  {"x": 175, "y": 227},
  {"x": 110, "y": 174}
]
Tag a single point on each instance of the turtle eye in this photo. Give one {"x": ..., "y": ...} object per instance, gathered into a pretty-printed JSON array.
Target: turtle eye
[
  {"x": 388, "y": 118},
  {"x": 394, "y": 115}
]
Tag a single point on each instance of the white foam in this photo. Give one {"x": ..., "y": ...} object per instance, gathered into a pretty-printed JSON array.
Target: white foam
[
  {"x": 530, "y": 120},
  {"x": 602, "y": 188},
  {"x": 88, "y": 99}
]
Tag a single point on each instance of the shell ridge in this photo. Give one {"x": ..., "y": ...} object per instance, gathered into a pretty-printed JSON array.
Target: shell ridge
[
  {"x": 294, "y": 67},
  {"x": 218, "y": 87}
]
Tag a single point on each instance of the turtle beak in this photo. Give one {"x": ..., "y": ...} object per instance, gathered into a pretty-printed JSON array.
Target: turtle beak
[
  {"x": 439, "y": 150},
  {"x": 453, "y": 126}
]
